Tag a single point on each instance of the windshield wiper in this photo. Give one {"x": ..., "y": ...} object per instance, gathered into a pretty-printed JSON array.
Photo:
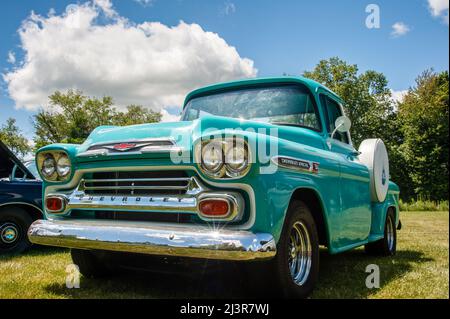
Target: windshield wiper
[{"x": 287, "y": 124}]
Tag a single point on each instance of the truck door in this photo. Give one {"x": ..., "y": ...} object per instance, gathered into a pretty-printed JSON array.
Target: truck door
[{"x": 354, "y": 188}]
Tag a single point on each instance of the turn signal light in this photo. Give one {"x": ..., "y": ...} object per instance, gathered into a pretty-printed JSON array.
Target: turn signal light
[
  {"x": 54, "y": 204},
  {"x": 214, "y": 208}
]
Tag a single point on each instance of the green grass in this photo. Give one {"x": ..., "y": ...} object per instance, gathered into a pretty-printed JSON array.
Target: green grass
[{"x": 419, "y": 270}]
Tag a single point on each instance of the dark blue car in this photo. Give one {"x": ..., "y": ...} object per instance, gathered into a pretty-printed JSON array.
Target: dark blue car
[{"x": 20, "y": 201}]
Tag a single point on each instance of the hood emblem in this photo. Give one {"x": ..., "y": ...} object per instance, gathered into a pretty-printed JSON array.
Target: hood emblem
[
  {"x": 123, "y": 147},
  {"x": 142, "y": 146}
]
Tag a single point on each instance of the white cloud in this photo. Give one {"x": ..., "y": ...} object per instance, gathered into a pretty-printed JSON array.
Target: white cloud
[
  {"x": 399, "y": 29},
  {"x": 168, "y": 117},
  {"x": 11, "y": 57},
  {"x": 149, "y": 63},
  {"x": 398, "y": 96},
  {"x": 106, "y": 6},
  {"x": 439, "y": 8}
]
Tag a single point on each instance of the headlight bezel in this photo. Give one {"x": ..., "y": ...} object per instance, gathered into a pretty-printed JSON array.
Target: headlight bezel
[
  {"x": 56, "y": 156},
  {"x": 226, "y": 171}
]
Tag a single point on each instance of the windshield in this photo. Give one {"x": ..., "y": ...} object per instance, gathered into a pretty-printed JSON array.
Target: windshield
[{"x": 284, "y": 105}]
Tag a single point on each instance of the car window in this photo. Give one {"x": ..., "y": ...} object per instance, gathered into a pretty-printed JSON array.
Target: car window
[
  {"x": 283, "y": 105},
  {"x": 17, "y": 172},
  {"x": 332, "y": 112},
  {"x": 31, "y": 166}
]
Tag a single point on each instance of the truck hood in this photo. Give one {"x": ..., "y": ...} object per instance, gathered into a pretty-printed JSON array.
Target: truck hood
[{"x": 184, "y": 133}]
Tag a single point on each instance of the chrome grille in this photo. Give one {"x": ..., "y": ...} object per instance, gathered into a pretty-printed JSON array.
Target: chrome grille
[{"x": 137, "y": 183}]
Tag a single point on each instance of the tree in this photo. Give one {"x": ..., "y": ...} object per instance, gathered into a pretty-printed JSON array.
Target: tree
[
  {"x": 136, "y": 114},
  {"x": 369, "y": 105},
  {"x": 368, "y": 101},
  {"x": 11, "y": 135},
  {"x": 72, "y": 116},
  {"x": 424, "y": 118}
]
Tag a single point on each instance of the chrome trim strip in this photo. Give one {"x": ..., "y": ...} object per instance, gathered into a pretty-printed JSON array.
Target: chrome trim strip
[
  {"x": 154, "y": 239},
  {"x": 83, "y": 201},
  {"x": 145, "y": 140},
  {"x": 187, "y": 180},
  {"x": 162, "y": 179},
  {"x": 169, "y": 187}
]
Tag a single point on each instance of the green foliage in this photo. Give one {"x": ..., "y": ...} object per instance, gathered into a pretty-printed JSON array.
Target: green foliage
[
  {"x": 424, "y": 122},
  {"x": 11, "y": 135},
  {"x": 424, "y": 205},
  {"x": 73, "y": 116}
]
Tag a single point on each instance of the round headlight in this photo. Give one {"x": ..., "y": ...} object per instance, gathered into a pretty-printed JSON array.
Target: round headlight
[
  {"x": 63, "y": 166},
  {"x": 236, "y": 159},
  {"x": 48, "y": 166},
  {"x": 212, "y": 157}
]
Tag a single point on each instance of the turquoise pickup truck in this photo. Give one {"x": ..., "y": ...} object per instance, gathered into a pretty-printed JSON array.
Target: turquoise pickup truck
[{"x": 261, "y": 171}]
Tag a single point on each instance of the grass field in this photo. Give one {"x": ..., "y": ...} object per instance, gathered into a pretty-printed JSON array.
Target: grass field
[{"x": 419, "y": 270}]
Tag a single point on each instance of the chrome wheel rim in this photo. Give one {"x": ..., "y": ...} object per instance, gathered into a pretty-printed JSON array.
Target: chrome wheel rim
[
  {"x": 390, "y": 234},
  {"x": 9, "y": 233},
  {"x": 300, "y": 253}
]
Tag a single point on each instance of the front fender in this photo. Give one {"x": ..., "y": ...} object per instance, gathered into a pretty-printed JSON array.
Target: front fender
[{"x": 380, "y": 210}]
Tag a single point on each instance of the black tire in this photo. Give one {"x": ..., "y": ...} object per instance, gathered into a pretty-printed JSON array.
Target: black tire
[
  {"x": 298, "y": 215},
  {"x": 387, "y": 246},
  {"x": 14, "y": 224},
  {"x": 89, "y": 264}
]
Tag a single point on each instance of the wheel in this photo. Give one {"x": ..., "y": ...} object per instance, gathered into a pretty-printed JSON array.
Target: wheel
[
  {"x": 387, "y": 246},
  {"x": 89, "y": 264},
  {"x": 297, "y": 261},
  {"x": 14, "y": 224}
]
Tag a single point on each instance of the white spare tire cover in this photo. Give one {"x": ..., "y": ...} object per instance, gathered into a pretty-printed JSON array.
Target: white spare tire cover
[{"x": 375, "y": 157}]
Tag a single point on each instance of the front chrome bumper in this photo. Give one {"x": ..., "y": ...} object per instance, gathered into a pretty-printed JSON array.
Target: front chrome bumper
[{"x": 195, "y": 241}]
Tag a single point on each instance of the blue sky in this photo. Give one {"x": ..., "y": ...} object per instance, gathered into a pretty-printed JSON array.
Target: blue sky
[{"x": 278, "y": 36}]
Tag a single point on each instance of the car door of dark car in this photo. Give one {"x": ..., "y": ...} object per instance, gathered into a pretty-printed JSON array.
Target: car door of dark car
[{"x": 21, "y": 191}]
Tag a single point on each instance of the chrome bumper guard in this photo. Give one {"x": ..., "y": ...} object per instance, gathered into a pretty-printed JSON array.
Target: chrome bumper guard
[{"x": 195, "y": 241}]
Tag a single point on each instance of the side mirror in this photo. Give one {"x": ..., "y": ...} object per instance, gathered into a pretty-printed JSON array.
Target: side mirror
[{"x": 342, "y": 125}]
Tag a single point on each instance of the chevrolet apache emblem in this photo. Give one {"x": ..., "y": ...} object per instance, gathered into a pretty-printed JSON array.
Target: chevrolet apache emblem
[
  {"x": 123, "y": 147},
  {"x": 296, "y": 164}
]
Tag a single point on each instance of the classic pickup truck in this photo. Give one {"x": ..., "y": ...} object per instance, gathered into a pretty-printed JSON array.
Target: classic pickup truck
[{"x": 258, "y": 170}]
